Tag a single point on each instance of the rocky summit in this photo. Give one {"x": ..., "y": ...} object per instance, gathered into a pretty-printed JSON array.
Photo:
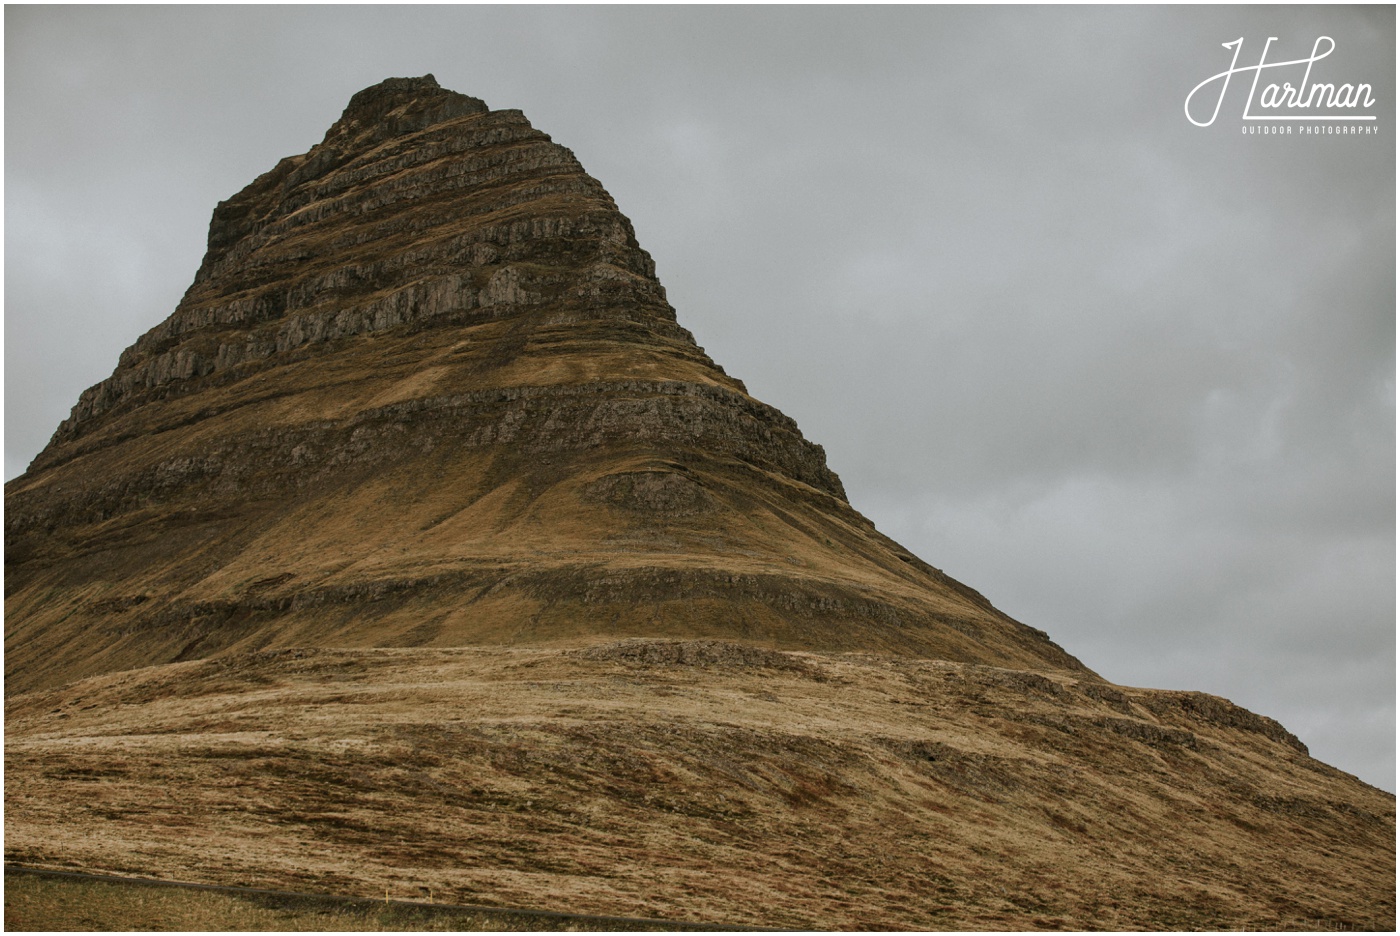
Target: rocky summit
[{"x": 421, "y": 548}]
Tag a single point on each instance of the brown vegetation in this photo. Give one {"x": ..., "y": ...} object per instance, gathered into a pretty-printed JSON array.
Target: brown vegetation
[
  {"x": 703, "y": 781},
  {"x": 39, "y": 901}
]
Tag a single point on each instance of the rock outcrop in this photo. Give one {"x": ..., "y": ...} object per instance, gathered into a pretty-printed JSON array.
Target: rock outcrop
[{"x": 426, "y": 390}]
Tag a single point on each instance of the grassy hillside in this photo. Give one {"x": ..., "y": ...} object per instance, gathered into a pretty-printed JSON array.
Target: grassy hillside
[{"x": 701, "y": 780}]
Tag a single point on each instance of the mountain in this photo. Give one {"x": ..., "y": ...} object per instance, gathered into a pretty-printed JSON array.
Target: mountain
[
  {"x": 421, "y": 545},
  {"x": 426, "y": 391}
]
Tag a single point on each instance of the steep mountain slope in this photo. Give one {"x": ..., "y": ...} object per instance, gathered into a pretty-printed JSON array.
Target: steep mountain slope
[{"x": 426, "y": 390}]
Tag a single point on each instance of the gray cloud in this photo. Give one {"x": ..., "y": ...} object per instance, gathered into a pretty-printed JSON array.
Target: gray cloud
[{"x": 1131, "y": 378}]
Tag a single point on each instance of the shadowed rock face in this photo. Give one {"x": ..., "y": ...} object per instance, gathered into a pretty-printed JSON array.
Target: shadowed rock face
[{"x": 426, "y": 390}]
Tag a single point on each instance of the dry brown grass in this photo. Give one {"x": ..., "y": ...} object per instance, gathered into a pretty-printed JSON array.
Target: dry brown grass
[
  {"x": 35, "y": 902},
  {"x": 705, "y": 781}
]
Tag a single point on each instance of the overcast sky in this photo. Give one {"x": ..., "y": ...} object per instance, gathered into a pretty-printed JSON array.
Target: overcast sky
[{"x": 1131, "y": 378}]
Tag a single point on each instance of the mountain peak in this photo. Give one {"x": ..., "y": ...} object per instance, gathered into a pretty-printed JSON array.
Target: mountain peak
[
  {"x": 407, "y": 104},
  {"x": 396, "y": 86}
]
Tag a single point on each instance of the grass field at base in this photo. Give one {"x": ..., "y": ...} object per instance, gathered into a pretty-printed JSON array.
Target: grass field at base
[{"x": 38, "y": 902}]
